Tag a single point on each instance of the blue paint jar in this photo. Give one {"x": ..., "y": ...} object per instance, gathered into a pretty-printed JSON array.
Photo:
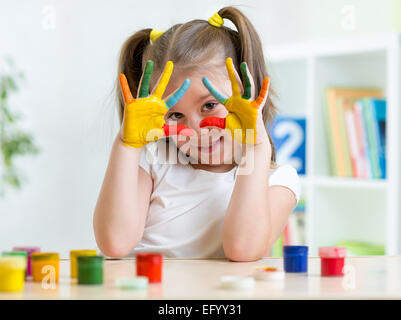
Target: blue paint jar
[{"x": 295, "y": 258}]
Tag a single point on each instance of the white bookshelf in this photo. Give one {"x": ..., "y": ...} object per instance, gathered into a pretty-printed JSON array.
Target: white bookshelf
[{"x": 343, "y": 208}]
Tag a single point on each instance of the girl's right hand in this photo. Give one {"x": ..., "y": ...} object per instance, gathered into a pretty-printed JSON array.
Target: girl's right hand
[
  {"x": 143, "y": 120},
  {"x": 244, "y": 113}
]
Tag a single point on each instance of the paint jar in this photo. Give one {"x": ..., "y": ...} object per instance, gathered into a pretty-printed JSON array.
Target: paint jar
[
  {"x": 90, "y": 269},
  {"x": 295, "y": 259},
  {"x": 45, "y": 264},
  {"x": 29, "y": 251},
  {"x": 332, "y": 261},
  {"x": 73, "y": 258},
  {"x": 22, "y": 254},
  {"x": 149, "y": 265},
  {"x": 12, "y": 273}
]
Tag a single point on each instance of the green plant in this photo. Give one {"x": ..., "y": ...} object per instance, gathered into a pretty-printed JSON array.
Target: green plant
[{"x": 13, "y": 140}]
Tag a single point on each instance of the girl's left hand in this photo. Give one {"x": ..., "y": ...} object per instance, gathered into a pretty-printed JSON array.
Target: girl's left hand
[{"x": 243, "y": 113}]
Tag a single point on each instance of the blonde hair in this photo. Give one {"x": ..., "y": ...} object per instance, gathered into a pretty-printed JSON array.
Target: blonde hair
[{"x": 190, "y": 46}]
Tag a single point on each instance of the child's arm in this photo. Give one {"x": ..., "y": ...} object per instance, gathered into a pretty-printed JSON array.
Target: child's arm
[
  {"x": 120, "y": 213},
  {"x": 257, "y": 213},
  {"x": 123, "y": 203}
]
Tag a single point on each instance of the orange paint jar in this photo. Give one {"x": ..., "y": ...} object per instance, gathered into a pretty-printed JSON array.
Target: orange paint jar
[{"x": 45, "y": 265}]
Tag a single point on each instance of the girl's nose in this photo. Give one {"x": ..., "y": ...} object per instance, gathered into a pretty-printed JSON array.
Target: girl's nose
[
  {"x": 194, "y": 123},
  {"x": 202, "y": 136}
]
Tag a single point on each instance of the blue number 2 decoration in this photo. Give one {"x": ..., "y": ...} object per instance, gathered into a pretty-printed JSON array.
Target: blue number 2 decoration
[{"x": 289, "y": 138}]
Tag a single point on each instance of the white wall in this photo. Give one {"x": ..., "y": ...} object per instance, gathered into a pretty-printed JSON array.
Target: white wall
[{"x": 69, "y": 107}]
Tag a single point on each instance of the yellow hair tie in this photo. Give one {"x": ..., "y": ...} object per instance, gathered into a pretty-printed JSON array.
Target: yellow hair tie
[
  {"x": 155, "y": 34},
  {"x": 216, "y": 20}
]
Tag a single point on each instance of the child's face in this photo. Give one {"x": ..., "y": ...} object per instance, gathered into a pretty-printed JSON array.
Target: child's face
[{"x": 208, "y": 146}]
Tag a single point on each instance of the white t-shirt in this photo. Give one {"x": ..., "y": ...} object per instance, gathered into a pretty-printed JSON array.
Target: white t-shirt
[{"x": 188, "y": 205}]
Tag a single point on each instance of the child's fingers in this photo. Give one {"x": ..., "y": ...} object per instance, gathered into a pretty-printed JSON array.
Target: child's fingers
[
  {"x": 178, "y": 94},
  {"x": 161, "y": 86},
  {"x": 213, "y": 91},
  {"x": 233, "y": 77},
  {"x": 213, "y": 122},
  {"x": 145, "y": 80},
  {"x": 263, "y": 93},
  {"x": 125, "y": 88},
  {"x": 249, "y": 90}
]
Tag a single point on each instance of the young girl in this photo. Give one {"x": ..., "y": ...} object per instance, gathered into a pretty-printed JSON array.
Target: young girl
[{"x": 200, "y": 206}]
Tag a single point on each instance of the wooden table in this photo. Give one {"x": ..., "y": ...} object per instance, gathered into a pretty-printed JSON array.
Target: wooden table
[{"x": 366, "y": 278}]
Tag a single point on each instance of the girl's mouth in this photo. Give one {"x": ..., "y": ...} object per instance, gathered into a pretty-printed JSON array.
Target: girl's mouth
[{"x": 212, "y": 147}]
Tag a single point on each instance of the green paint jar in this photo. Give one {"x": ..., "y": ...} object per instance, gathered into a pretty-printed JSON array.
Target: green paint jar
[{"x": 90, "y": 269}]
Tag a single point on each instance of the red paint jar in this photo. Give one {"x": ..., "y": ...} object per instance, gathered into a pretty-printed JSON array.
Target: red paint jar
[
  {"x": 332, "y": 261},
  {"x": 149, "y": 265}
]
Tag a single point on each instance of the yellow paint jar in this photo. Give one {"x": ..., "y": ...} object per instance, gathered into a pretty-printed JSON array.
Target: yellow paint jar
[
  {"x": 45, "y": 266},
  {"x": 73, "y": 257},
  {"x": 12, "y": 273}
]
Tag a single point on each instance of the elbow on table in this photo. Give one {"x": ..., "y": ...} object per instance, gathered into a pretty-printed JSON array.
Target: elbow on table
[
  {"x": 114, "y": 249},
  {"x": 244, "y": 254}
]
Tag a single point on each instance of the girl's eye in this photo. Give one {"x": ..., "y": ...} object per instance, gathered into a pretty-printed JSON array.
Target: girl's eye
[
  {"x": 209, "y": 106},
  {"x": 175, "y": 116}
]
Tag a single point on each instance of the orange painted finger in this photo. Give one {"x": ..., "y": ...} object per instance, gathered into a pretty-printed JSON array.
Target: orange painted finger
[
  {"x": 125, "y": 88},
  {"x": 263, "y": 93}
]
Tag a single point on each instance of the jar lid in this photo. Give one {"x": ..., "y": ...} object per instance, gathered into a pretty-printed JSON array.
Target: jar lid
[
  {"x": 45, "y": 256},
  {"x": 27, "y": 249},
  {"x": 83, "y": 252},
  {"x": 133, "y": 283},
  {"x": 90, "y": 259},
  {"x": 13, "y": 262},
  {"x": 146, "y": 256},
  {"x": 332, "y": 252},
  {"x": 268, "y": 273},
  {"x": 237, "y": 282},
  {"x": 23, "y": 254},
  {"x": 295, "y": 250}
]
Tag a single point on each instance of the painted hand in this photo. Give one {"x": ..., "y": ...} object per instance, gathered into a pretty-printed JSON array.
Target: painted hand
[
  {"x": 143, "y": 120},
  {"x": 243, "y": 112}
]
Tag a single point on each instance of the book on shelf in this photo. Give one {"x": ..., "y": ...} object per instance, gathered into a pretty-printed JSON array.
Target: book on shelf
[{"x": 356, "y": 126}]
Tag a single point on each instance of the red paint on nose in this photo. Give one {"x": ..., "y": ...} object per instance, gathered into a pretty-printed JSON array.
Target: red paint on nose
[
  {"x": 170, "y": 130},
  {"x": 213, "y": 122}
]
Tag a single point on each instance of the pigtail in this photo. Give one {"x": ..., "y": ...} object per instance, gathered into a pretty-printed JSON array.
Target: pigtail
[
  {"x": 249, "y": 48},
  {"x": 130, "y": 63}
]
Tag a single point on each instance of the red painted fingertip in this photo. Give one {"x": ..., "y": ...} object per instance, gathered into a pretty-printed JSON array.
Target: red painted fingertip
[{"x": 213, "y": 122}]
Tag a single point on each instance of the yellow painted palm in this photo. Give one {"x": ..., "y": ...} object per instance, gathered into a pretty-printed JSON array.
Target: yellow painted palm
[
  {"x": 143, "y": 120},
  {"x": 243, "y": 112}
]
